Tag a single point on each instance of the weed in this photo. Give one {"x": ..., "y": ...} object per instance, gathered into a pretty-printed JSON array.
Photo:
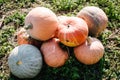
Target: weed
[
  {"x": 65, "y": 4},
  {"x": 17, "y": 18},
  {"x": 5, "y": 37}
]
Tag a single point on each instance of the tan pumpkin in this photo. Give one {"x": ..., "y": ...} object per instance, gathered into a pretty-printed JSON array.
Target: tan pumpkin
[
  {"x": 90, "y": 52},
  {"x": 72, "y": 31},
  {"x": 54, "y": 56},
  {"x": 41, "y": 23},
  {"x": 96, "y": 19}
]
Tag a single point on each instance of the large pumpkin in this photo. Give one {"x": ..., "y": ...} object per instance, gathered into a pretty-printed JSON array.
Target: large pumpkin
[
  {"x": 96, "y": 19},
  {"x": 25, "y": 61},
  {"x": 72, "y": 31},
  {"x": 41, "y": 23},
  {"x": 54, "y": 56},
  {"x": 90, "y": 52}
]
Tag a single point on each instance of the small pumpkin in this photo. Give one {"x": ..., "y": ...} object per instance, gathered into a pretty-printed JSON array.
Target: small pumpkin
[
  {"x": 41, "y": 23},
  {"x": 25, "y": 61},
  {"x": 23, "y": 37},
  {"x": 54, "y": 56},
  {"x": 90, "y": 52},
  {"x": 72, "y": 31},
  {"x": 95, "y": 18}
]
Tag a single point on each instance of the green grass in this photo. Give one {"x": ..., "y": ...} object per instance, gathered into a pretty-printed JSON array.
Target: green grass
[
  {"x": 108, "y": 68},
  {"x": 5, "y": 37}
]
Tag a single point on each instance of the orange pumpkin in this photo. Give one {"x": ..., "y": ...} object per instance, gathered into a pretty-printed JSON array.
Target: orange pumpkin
[
  {"x": 41, "y": 23},
  {"x": 90, "y": 52},
  {"x": 22, "y": 37},
  {"x": 72, "y": 31},
  {"x": 54, "y": 56},
  {"x": 96, "y": 19}
]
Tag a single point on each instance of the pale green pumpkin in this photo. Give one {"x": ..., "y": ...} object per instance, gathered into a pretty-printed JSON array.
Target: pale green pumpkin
[{"x": 25, "y": 61}]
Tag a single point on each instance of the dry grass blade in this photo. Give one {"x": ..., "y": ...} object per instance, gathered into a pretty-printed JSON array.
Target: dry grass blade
[{"x": 1, "y": 21}]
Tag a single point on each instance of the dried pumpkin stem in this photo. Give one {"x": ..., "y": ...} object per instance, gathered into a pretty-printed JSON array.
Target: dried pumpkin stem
[
  {"x": 26, "y": 36},
  {"x": 89, "y": 41},
  {"x": 19, "y": 62},
  {"x": 29, "y": 26},
  {"x": 68, "y": 51},
  {"x": 68, "y": 26}
]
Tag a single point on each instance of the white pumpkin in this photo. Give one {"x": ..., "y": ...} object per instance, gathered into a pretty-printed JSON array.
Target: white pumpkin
[{"x": 25, "y": 61}]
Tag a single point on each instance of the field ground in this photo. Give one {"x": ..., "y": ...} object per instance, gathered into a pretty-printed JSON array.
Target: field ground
[{"x": 12, "y": 14}]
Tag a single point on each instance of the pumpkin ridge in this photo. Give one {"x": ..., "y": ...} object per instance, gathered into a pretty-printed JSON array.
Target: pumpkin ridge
[
  {"x": 84, "y": 35},
  {"x": 75, "y": 40},
  {"x": 95, "y": 18}
]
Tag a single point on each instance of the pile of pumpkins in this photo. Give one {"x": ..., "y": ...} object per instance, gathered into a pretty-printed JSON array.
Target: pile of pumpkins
[{"x": 43, "y": 32}]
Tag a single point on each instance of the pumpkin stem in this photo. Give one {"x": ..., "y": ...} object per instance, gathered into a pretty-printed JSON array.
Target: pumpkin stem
[
  {"x": 26, "y": 36},
  {"x": 68, "y": 51},
  {"x": 89, "y": 41},
  {"x": 68, "y": 26},
  {"x": 29, "y": 26},
  {"x": 19, "y": 62}
]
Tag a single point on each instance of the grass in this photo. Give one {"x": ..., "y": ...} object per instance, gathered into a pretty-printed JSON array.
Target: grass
[{"x": 108, "y": 68}]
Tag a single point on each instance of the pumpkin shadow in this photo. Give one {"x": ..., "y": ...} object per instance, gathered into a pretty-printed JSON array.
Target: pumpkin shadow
[
  {"x": 72, "y": 70},
  {"x": 92, "y": 72},
  {"x": 12, "y": 77},
  {"x": 87, "y": 72}
]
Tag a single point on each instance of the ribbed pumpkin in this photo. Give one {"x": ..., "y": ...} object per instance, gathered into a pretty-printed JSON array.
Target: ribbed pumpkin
[
  {"x": 54, "y": 56},
  {"x": 96, "y": 19},
  {"x": 25, "y": 61},
  {"x": 41, "y": 23},
  {"x": 72, "y": 31},
  {"x": 90, "y": 52}
]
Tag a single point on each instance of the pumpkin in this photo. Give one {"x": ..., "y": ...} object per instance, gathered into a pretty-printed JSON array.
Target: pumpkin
[
  {"x": 72, "y": 31},
  {"x": 90, "y": 52},
  {"x": 54, "y": 55},
  {"x": 41, "y": 23},
  {"x": 95, "y": 18},
  {"x": 23, "y": 37},
  {"x": 25, "y": 61}
]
